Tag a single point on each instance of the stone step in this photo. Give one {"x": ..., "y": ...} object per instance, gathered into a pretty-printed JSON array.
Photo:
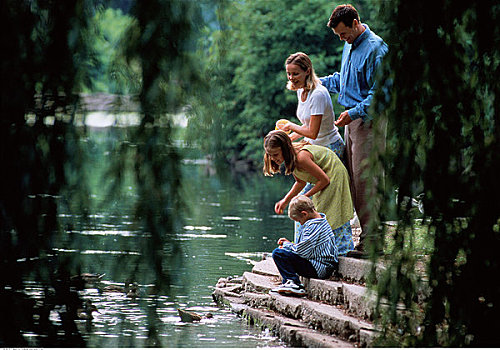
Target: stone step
[
  {"x": 359, "y": 301},
  {"x": 327, "y": 291},
  {"x": 266, "y": 267},
  {"x": 253, "y": 282},
  {"x": 350, "y": 269},
  {"x": 334, "y": 321},
  {"x": 324, "y": 317},
  {"x": 355, "y": 299},
  {"x": 344, "y": 301},
  {"x": 356, "y": 270},
  {"x": 295, "y": 333},
  {"x": 329, "y": 319},
  {"x": 338, "y": 309}
]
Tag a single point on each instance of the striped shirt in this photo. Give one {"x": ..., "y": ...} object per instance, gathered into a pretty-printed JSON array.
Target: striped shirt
[{"x": 316, "y": 243}]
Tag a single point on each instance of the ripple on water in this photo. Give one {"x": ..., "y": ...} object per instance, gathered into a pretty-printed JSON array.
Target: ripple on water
[
  {"x": 201, "y": 228},
  {"x": 112, "y": 252},
  {"x": 231, "y": 218},
  {"x": 108, "y": 233},
  {"x": 193, "y": 235}
]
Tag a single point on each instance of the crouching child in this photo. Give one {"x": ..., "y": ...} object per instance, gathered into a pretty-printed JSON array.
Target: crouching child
[{"x": 314, "y": 255}]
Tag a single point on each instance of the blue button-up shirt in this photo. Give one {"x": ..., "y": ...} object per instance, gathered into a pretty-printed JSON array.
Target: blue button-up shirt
[{"x": 355, "y": 83}]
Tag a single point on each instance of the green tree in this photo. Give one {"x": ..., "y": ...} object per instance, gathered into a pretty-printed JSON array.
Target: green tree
[
  {"x": 45, "y": 62},
  {"x": 246, "y": 74},
  {"x": 39, "y": 71},
  {"x": 162, "y": 43},
  {"x": 108, "y": 70},
  {"x": 440, "y": 97}
]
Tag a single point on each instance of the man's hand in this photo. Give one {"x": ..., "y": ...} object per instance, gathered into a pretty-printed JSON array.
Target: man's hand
[{"x": 343, "y": 120}]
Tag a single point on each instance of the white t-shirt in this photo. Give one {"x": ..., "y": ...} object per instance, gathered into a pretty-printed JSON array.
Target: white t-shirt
[{"x": 318, "y": 102}]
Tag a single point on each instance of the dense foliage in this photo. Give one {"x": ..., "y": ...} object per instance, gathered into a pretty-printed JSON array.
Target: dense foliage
[
  {"x": 109, "y": 71},
  {"x": 51, "y": 52},
  {"x": 245, "y": 70},
  {"x": 443, "y": 137},
  {"x": 438, "y": 96}
]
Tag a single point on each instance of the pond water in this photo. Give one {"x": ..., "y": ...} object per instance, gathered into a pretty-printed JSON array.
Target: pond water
[{"x": 229, "y": 222}]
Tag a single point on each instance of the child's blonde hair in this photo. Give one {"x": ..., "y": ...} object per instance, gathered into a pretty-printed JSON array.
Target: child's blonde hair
[
  {"x": 299, "y": 204},
  {"x": 304, "y": 62}
]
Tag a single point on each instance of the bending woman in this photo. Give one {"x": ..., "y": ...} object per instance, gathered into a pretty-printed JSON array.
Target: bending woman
[{"x": 319, "y": 166}]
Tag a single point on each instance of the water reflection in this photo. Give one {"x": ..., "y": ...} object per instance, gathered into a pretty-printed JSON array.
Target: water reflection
[{"x": 229, "y": 223}]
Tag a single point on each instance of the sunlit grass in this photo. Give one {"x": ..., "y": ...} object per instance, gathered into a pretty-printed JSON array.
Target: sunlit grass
[{"x": 418, "y": 238}]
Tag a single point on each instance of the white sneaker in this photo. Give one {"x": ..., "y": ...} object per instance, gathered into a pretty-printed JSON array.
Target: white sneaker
[{"x": 290, "y": 288}]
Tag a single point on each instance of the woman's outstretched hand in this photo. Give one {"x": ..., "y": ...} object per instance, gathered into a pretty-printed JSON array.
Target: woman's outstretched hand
[{"x": 280, "y": 206}]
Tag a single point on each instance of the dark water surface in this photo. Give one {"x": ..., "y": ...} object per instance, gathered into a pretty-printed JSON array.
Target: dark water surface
[{"x": 230, "y": 221}]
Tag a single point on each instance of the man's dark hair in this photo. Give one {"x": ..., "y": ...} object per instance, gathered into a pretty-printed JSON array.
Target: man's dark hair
[{"x": 343, "y": 13}]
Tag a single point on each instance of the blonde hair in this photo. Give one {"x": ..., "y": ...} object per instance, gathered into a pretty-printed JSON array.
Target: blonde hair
[
  {"x": 280, "y": 139},
  {"x": 299, "y": 204},
  {"x": 304, "y": 62}
]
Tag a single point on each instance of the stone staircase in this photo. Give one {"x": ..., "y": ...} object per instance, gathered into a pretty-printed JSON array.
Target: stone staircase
[{"x": 335, "y": 313}]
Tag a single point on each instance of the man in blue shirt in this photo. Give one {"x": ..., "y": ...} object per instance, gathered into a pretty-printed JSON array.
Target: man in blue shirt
[{"x": 355, "y": 84}]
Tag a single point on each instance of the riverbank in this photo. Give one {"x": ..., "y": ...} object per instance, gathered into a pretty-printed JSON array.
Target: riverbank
[{"x": 335, "y": 313}]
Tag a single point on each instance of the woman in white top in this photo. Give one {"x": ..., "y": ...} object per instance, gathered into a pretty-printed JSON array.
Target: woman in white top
[{"x": 315, "y": 109}]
